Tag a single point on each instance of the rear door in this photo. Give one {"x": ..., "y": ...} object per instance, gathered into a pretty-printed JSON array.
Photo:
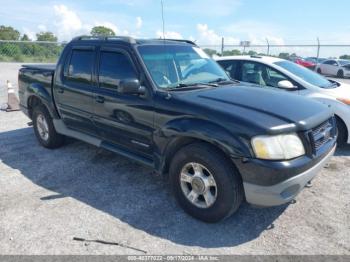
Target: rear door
[
  {"x": 73, "y": 90},
  {"x": 328, "y": 66},
  {"x": 123, "y": 120}
]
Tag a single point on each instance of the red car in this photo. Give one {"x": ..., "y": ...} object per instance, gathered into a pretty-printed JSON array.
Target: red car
[{"x": 303, "y": 62}]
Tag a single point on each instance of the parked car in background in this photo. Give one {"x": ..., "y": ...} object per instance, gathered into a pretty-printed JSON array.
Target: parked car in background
[
  {"x": 335, "y": 67},
  {"x": 315, "y": 60},
  {"x": 301, "y": 61},
  {"x": 270, "y": 72},
  {"x": 166, "y": 104}
]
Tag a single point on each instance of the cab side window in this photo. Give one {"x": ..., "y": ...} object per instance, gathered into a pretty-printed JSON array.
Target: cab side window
[
  {"x": 331, "y": 62},
  {"x": 114, "y": 67},
  {"x": 230, "y": 66},
  {"x": 79, "y": 68},
  {"x": 261, "y": 74}
]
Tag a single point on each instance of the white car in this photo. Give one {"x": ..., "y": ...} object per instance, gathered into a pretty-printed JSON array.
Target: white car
[
  {"x": 271, "y": 72},
  {"x": 334, "y": 67}
]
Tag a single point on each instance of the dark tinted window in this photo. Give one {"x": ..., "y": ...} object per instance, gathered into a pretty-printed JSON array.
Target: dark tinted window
[
  {"x": 330, "y": 62},
  {"x": 80, "y": 65},
  {"x": 113, "y": 68},
  {"x": 230, "y": 67}
]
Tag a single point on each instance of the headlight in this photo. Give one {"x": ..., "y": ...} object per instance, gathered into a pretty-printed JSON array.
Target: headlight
[
  {"x": 278, "y": 147},
  {"x": 344, "y": 100}
]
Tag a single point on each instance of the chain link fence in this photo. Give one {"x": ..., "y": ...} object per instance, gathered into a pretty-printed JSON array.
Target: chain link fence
[
  {"x": 27, "y": 51},
  {"x": 49, "y": 52},
  {"x": 284, "y": 51}
]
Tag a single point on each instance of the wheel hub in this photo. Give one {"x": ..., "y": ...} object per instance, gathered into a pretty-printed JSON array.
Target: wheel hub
[{"x": 198, "y": 185}]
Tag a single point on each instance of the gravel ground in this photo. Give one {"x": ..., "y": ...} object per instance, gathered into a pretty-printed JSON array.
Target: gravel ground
[{"x": 47, "y": 197}]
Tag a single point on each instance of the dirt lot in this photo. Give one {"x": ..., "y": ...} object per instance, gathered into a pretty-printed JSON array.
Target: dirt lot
[{"x": 48, "y": 197}]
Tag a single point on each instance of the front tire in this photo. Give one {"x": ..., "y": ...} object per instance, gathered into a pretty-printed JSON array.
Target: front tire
[
  {"x": 319, "y": 71},
  {"x": 342, "y": 133},
  {"x": 340, "y": 74},
  {"x": 205, "y": 184},
  {"x": 44, "y": 129}
]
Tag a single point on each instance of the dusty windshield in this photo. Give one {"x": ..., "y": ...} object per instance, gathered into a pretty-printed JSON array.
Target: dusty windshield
[{"x": 173, "y": 66}]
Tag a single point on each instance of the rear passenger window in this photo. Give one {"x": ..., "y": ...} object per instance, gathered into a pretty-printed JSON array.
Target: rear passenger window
[
  {"x": 80, "y": 66},
  {"x": 114, "y": 67}
]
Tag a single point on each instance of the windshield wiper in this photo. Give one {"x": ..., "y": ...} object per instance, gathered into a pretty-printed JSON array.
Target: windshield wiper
[
  {"x": 191, "y": 86},
  {"x": 224, "y": 81}
]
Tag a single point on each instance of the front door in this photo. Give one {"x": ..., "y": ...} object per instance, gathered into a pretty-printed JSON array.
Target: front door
[{"x": 122, "y": 119}]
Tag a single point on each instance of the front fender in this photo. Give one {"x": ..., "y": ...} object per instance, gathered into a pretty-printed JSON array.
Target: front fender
[{"x": 232, "y": 144}]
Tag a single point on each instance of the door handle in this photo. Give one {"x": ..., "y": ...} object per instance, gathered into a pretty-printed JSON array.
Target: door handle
[
  {"x": 60, "y": 90},
  {"x": 100, "y": 99}
]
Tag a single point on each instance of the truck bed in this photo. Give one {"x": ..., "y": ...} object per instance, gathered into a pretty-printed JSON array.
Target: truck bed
[{"x": 44, "y": 67}]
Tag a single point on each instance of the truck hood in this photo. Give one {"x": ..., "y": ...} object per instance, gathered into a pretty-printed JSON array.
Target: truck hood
[{"x": 273, "y": 111}]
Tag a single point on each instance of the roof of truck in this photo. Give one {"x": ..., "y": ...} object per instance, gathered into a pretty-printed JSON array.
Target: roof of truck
[{"x": 132, "y": 41}]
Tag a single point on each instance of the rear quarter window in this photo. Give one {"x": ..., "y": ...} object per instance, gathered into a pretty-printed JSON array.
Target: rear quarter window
[{"x": 80, "y": 66}]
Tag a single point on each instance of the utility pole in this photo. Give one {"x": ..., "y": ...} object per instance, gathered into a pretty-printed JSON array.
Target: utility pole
[
  {"x": 268, "y": 46},
  {"x": 318, "y": 49},
  {"x": 222, "y": 46}
]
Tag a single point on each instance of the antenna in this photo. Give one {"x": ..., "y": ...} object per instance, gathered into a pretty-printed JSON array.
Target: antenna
[{"x": 161, "y": 2}]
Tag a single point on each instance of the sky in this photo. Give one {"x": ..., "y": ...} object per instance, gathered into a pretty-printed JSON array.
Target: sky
[{"x": 205, "y": 21}]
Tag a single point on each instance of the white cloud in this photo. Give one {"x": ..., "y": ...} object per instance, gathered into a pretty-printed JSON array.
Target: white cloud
[
  {"x": 42, "y": 28},
  {"x": 67, "y": 22},
  {"x": 29, "y": 33},
  {"x": 208, "y": 36},
  {"x": 138, "y": 22},
  {"x": 169, "y": 34}
]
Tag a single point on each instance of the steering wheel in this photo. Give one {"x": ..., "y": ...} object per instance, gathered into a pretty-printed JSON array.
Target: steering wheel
[
  {"x": 191, "y": 72},
  {"x": 160, "y": 78}
]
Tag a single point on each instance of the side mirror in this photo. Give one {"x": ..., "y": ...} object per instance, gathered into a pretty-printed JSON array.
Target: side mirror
[
  {"x": 285, "y": 84},
  {"x": 131, "y": 86}
]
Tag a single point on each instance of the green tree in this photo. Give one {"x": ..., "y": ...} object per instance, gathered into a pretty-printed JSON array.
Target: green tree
[
  {"x": 252, "y": 53},
  {"x": 102, "y": 31},
  {"x": 231, "y": 52},
  {"x": 344, "y": 57},
  {"x": 46, "y": 36},
  {"x": 8, "y": 33},
  {"x": 284, "y": 56},
  {"x": 209, "y": 51},
  {"x": 25, "y": 37}
]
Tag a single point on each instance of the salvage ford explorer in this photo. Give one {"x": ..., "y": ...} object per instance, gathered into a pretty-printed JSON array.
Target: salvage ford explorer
[{"x": 166, "y": 104}]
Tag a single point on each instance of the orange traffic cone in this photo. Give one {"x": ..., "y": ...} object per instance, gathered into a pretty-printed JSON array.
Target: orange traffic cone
[{"x": 12, "y": 101}]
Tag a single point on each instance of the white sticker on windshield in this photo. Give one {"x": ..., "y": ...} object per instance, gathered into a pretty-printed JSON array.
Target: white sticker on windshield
[{"x": 200, "y": 52}]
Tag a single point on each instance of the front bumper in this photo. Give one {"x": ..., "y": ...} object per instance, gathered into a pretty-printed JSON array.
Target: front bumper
[{"x": 285, "y": 191}]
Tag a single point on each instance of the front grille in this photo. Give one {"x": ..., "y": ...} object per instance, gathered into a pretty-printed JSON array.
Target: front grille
[{"x": 321, "y": 134}]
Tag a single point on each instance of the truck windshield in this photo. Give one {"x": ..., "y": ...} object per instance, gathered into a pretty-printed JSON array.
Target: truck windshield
[
  {"x": 306, "y": 74},
  {"x": 175, "y": 66}
]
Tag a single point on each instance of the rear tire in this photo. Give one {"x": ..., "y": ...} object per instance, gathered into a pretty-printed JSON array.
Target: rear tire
[
  {"x": 44, "y": 129},
  {"x": 342, "y": 133},
  {"x": 340, "y": 74},
  {"x": 224, "y": 193}
]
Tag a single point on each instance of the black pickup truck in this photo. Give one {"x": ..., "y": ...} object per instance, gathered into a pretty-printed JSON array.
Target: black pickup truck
[{"x": 166, "y": 104}]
